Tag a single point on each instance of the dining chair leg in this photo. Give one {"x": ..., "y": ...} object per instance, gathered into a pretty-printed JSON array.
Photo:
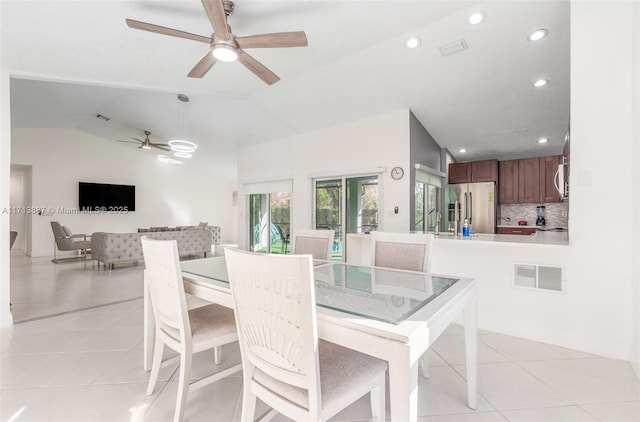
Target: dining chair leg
[
  {"x": 378, "y": 397},
  {"x": 183, "y": 384},
  {"x": 424, "y": 363},
  {"x": 155, "y": 364},
  {"x": 217, "y": 355},
  {"x": 248, "y": 401}
]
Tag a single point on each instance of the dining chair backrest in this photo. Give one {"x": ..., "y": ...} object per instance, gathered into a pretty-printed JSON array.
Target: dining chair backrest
[
  {"x": 403, "y": 251},
  {"x": 317, "y": 243},
  {"x": 163, "y": 276},
  {"x": 274, "y": 303}
]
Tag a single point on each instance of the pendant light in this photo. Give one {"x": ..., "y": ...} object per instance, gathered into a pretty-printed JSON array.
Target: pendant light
[{"x": 180, "y": 146}]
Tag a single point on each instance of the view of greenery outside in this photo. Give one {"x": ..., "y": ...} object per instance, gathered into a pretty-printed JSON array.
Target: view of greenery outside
[
  {"x": 426, "y": 213},
  {"x": 419, "y": 195}
]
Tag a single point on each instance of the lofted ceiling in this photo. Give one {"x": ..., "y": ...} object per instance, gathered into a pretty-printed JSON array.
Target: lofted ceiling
[{"x": 72, "y": 60}]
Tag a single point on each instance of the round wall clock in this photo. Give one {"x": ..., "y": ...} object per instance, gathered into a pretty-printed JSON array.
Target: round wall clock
[{"x": 397, "y": 173}]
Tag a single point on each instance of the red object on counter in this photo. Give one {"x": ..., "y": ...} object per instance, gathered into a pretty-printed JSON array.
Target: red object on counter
[{"x": 522, "y": 223}]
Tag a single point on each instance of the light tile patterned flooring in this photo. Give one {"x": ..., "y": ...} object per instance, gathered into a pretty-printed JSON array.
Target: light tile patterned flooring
[{"x": 86, "y": 365}]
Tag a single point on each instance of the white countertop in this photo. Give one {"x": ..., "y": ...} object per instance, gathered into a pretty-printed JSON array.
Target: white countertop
[{"x": 539, "y": 238}]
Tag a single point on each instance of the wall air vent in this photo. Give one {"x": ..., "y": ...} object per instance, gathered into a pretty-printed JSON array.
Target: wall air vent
[
  {"x": 452, "y": 47},
  {"x": 538, "y": 277}
]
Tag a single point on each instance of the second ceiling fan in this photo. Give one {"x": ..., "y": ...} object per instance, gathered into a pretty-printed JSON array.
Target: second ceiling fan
[{"x": 224, "y": 45}]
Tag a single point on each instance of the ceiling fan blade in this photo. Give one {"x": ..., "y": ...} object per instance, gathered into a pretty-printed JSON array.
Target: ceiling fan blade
[
  {"x": 217, "y": 17},
  {"x": 167, "y": 31},
  {"x": 260, "y": 70},
  {"x": 203, "y": 66},
  {"x": 139, "y": 140},
  {"x": 127, "y": 142},
  {"x": 162, "y": 147},
  {"x": 276, "y": 39}
]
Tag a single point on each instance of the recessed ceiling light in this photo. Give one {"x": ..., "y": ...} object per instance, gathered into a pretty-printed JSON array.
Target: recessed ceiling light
[
  {"x": 476, "y": 18},
  {"x": 462, "y": 150},
  {"x": 543, "y": 140},
  {"x": 413, "y": 42},
  {"x": 540, "y": 83},
  {"x": 538, "y": 34}
]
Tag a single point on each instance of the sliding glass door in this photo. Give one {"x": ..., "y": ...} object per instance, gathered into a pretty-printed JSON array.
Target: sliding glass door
[
  {"x": 269, "y": 222},
  {"x": 346, "y": 202}
]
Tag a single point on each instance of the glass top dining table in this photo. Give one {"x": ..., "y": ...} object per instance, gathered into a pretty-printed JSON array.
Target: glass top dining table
[
  {"x": 387, "y": 295},
  {"x": 393, "y": 315}
]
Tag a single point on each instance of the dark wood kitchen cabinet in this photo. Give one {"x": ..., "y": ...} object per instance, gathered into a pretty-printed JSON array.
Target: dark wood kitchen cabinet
[
  {"x": 474, "y": 171},
  {"x": 525, "y": 231},
  {"x": 508, "y": 182},
  {"x": 529, "y": 180},
  {"x": 484, "y": 171},
  {"x": 548, "y": 170},
  {"x": 459, "y": 172}
]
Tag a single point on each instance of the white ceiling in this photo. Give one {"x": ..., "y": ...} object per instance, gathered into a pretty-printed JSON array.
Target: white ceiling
[{"x": 74, "y": 59}]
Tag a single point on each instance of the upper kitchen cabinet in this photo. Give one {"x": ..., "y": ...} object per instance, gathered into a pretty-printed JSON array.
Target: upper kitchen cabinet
[
  {"x": 484, "y": 171},
  {"x": 474, "y": 171},
  {"x": 529, "y": 180},
  {"x": 459, "y": 172},
  {"x": 548, "y": 174},
  {"x": 508, "y": 182}
]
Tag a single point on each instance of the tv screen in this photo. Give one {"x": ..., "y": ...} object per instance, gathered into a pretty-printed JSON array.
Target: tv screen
[{"x": 104, "y": 197}]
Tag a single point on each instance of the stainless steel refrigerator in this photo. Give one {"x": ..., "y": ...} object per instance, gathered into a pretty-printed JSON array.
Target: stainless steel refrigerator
[{"x": 475, "y": 202}]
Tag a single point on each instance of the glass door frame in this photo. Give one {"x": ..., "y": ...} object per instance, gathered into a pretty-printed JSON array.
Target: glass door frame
[{"x": 343, "y": 202}]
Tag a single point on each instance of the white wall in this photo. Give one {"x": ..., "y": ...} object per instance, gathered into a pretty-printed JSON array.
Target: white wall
[
  {"x": 602, "y": 82},
  {"x": 366, "y": 144},
  {"x": 166, "y": 195},
  {"x": 6, "y": 319},
  {"x": 635, "y": 176}
]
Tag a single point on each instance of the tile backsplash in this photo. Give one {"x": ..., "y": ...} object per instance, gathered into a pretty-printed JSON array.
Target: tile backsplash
[{"x": 556, "y": 214}]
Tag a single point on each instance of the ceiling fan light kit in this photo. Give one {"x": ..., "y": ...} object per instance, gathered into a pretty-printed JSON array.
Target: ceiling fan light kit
[
  {"x": 224, "y": 53},
  {"x": 224, "y": 45},
  {"x": 146, "y": 143}
]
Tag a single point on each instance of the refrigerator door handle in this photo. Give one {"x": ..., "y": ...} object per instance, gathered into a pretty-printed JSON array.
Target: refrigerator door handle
[
  {"x": 470, "y": 207},
  {"x": 466, "y": 206}
]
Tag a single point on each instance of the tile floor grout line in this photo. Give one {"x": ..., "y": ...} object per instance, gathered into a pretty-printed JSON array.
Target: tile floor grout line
[{"x": 76, "y": 310}]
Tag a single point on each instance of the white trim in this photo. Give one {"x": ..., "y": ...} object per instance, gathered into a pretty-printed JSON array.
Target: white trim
[
  {"x": 347, "y": 173},
  {"x": 429, "y": 170},
  {"x": 267, "y": 186}
]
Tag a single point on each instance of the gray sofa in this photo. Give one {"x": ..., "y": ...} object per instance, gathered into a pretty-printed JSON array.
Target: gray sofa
[{"x": 115, "y": 248}]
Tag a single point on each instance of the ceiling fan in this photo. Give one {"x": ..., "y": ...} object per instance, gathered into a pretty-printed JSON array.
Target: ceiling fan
[
  {"x": 147, "y": 144},
  {"x": 224, "y": 45}
]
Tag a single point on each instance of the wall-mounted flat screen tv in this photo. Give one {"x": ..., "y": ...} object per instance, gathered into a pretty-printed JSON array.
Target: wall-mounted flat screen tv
[{"x": 104, "y": 197}]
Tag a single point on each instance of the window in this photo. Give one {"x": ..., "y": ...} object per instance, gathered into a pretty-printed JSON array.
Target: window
[{"x": 427, "y": 195}]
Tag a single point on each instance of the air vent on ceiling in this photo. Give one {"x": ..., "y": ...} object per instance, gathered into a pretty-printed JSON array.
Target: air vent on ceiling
[
  {"x": 452, "y": 47},
  {"x": 538, "y": 277}
]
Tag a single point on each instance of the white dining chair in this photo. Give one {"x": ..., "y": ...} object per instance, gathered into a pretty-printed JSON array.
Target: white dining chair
[
  {"x": 187, "y": 331},
  {"x": 284, "y": 363},
  {"x": 317, "y": 243},
  {"x": 403, "y": 251}
]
